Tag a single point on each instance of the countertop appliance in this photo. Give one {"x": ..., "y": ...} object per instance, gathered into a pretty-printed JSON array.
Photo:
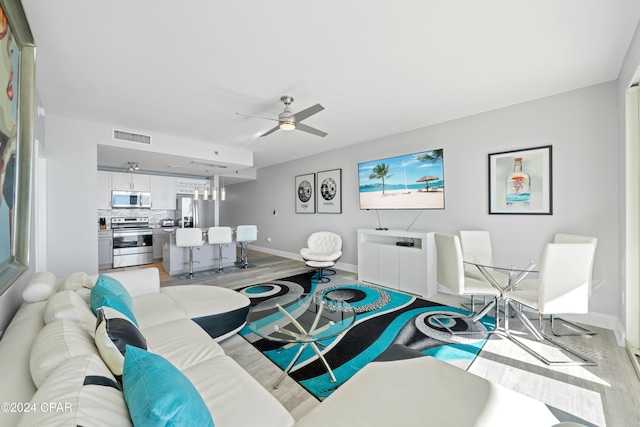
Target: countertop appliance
[
  {"x": 195, "y": 213},
  {"x": 130, "y": 199},
  {"x": 132, "y": 241},
  {"x": 167, "y": 222}
]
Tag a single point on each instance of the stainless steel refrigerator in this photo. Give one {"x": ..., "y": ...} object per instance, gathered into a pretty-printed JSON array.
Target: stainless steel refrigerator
[{"x": 195, "y": 213}]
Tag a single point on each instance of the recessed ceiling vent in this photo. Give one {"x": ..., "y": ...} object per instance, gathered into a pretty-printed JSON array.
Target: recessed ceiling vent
[{"x": 120, "y": 135}]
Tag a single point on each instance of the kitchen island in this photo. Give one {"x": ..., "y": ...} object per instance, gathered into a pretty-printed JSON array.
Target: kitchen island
[{"x": 176, "y": 259}]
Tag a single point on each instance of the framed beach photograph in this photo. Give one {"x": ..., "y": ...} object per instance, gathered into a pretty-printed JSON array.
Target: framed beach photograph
[
  {"x": 330, "y": 191},
  {"x": 306, "y": 193},
  {"x": 520, "y": 182},
  {"x": 17, "y": 75},
  {"x": 409, "y": 181}
]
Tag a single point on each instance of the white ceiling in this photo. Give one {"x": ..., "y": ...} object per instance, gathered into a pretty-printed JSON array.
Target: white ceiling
[{"x": 379, "y": 67}]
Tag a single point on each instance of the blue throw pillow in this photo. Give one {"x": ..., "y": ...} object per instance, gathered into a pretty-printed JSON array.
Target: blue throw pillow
[
  {"x": 110, "y": 293},
  {"x": 108, "y": 283},
  {"x": 158, "y": 394}
]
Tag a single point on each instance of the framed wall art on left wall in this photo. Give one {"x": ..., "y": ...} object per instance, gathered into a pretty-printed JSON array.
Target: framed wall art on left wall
[{"x": 17, "y": 75}]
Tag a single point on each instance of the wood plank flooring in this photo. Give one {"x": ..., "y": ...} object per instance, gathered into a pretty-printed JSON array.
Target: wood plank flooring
[{"x": 605, "y": 395}]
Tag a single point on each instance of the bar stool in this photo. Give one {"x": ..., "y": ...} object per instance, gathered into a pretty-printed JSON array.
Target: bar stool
[
  {"x": 220, "y": 236},
  {"x": 189, "y": 238},
  {"x": 245, "y": 234}
]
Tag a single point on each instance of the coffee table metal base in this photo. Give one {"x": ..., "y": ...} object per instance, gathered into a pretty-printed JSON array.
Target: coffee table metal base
[{"x": 301, "y": 335}]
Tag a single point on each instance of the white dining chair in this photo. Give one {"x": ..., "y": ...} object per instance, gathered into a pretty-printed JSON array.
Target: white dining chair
[
  {"x": 581, "y": 330},
  {"x": 450, "y": 273},
  {"x": 573, "y": 329},
  {"x": 563, "y": 288},
  {"x": 476, "y": 245}
]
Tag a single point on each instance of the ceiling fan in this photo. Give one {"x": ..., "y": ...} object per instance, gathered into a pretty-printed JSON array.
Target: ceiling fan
[{"x": 290, "y": 121}]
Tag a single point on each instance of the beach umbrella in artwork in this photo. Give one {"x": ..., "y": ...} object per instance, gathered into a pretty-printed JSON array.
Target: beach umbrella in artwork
[{"x": 426, "y": 180}]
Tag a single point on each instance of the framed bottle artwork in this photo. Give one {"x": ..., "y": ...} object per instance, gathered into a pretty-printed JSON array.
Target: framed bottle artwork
[{"x": 520, "y": 182}]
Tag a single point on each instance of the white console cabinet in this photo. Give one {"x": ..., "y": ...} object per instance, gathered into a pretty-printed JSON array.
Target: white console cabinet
[{"x": 383, "y": 260}]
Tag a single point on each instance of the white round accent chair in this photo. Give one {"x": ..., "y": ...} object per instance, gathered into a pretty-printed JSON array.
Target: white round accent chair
[{"x": 323, "y": 250}]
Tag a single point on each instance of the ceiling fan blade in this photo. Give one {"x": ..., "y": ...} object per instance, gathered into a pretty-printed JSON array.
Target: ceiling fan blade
[
  {"x": 309, "y": 129},
  {"x": 301, "y": 115},
  {"x": 270, "y": 131},
  {"x": 260, "y": 117}
]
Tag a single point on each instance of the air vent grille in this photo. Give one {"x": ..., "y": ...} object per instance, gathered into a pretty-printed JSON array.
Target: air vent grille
[{"x": 120, "y": 135}]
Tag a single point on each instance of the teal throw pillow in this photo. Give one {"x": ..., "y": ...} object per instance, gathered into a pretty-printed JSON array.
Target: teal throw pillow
[
  {"x": 158, "y": 394},
  {"x": 112, "y": 285},
  {"x": 108, "y": 292}
]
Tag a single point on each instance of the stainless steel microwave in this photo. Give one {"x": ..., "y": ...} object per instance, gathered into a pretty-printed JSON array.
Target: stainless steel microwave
[{"x": 130, "y": 199}]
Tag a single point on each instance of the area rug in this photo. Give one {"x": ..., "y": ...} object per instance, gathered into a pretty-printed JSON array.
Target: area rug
[{"x": 383, "y": 317}]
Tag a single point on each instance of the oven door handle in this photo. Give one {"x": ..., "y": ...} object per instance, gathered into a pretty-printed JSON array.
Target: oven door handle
[{"x": 132, "y": 233}]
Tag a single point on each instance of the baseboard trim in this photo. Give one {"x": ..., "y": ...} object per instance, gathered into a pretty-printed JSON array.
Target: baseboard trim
[{"x": 634, "y": 355}]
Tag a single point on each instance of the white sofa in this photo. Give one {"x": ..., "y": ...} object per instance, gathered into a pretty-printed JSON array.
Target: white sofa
[
  {"x": 164, "y": 316},
  {"x": 395, "y": 390}
]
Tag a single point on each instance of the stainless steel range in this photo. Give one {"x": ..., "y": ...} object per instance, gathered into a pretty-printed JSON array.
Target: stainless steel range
[{"x": 132, "y": 241}]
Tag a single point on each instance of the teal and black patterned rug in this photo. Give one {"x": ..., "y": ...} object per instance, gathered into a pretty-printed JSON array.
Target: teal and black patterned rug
[{"x": 383, "y": 317}]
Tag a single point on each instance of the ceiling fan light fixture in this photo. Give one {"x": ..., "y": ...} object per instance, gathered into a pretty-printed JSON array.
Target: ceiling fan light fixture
[{"x": 287, "y": 126}]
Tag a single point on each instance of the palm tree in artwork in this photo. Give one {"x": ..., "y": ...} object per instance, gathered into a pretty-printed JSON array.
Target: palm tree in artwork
[
  {"x": 430, "y": 156},
  {"x": 380, "y": 171}
]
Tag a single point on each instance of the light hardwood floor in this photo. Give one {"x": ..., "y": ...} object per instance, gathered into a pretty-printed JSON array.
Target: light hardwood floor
[{"x": 605, "y": 395}]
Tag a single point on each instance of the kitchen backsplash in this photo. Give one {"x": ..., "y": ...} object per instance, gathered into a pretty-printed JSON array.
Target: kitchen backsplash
[{"x": 154, "y": 215}]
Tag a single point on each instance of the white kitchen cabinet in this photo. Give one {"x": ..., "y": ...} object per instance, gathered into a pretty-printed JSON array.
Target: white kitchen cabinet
[
  {"x": 121, "y": 181},
  {"x": 105, "y": 249},
  {"x": 104, "y": 190},
  {"x": 163, "y": 192},
  {"x": 384, "y": 261}
]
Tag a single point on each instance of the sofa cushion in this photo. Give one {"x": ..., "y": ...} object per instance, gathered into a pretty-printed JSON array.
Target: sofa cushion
[
  {"x": 155, "y": 309},
  {"x": 198, "y": 301},
  {"x": 79, "y": 282},
  {"x": 79, "y": 392},
  {"x": 425, "y": 388},
  {"x": 158, "y": 394},
  {"x": 110, "y": 293},
  {"x": 181, "y": 342},
  {"x": 15, "y": 346},
  {"x": 41, "y": 287},
  {"x": 114, "y": 332},
  {"x": 140, "y": 281},
  {"x": 57, "y": 342},
  {"x": 223, "y": 383},
  {"x": 69, "y": 305}
]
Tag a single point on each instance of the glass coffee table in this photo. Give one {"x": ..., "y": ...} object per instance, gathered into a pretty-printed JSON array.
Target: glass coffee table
[{"x": 301, "y": 318}]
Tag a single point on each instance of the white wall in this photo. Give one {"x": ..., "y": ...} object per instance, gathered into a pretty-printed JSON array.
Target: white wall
[
  {"x": 72, "y": 196},
  {"x": 582, "y": 127}
]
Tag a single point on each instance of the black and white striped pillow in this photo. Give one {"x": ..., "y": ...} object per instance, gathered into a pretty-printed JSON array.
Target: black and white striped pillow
[{"x": 114, "y": 331}]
